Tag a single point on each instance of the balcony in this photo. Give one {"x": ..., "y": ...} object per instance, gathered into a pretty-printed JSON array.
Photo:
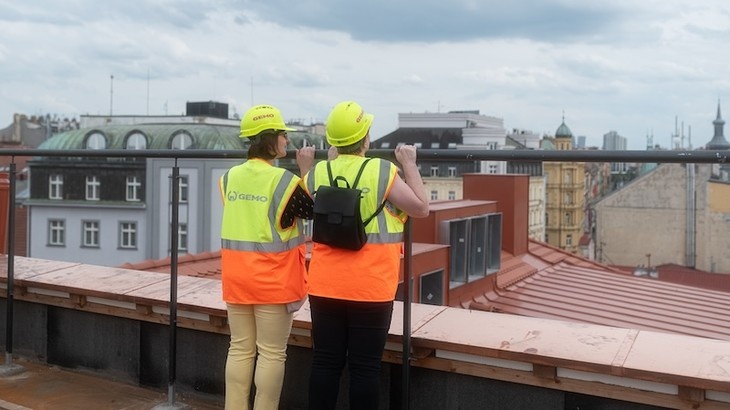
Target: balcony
[{"x": 116, "y": 323}]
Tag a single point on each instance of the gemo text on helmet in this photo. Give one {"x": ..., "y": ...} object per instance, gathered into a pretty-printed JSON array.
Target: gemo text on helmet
[
  {"x": 261, "y": 118},
  {"x": 347, "y": 124}
]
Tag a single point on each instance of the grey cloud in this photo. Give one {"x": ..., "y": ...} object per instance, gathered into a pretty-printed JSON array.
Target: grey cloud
[
  {"x": 434, "y": 21},
  {"x": 182, "y": 13}
]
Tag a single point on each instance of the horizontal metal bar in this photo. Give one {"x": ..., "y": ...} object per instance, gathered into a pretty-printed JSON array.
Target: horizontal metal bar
[{"x": 698, "y": 156}]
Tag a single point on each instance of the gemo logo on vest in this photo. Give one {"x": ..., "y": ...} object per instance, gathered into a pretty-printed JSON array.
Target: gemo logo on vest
[{"x": 235, "y": 196}]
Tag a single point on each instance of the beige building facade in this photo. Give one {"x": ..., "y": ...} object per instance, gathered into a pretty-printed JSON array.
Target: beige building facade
[
  {"x": 677, "y": 213},
  {"x": 565, "y": 197}
]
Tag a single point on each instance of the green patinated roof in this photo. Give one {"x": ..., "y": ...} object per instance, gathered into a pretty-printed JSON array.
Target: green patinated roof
[{"x": 159, "y": 136}]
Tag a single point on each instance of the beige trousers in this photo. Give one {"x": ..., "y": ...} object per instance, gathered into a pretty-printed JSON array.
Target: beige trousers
[{"x": 256, "y": 328}]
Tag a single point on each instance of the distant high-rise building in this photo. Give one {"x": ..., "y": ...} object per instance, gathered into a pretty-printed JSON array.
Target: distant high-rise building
[{"x": 612, "y": 141}]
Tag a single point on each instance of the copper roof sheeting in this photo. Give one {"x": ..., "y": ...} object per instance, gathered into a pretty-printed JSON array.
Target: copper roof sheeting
[
  {"x": 593, "y": 295},
  {"x": 550, "y": 283}
]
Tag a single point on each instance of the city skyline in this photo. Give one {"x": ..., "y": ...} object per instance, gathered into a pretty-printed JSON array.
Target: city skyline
[{"x": 636, "y": 69}]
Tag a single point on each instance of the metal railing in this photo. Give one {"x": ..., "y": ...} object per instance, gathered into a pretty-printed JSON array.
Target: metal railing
[{"x": 700, "y": 156}]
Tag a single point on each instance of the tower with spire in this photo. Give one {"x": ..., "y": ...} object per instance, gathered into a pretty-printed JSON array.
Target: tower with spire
[
  {"x": 565, "y": 196},
  {"x": 718, "y": 141}
]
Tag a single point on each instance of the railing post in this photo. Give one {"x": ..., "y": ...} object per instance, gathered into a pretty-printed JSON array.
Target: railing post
[
  {"x": 172, "y": 360},
  {"x": 7, "y": 203},
  {"x": 407, "y": 274}
]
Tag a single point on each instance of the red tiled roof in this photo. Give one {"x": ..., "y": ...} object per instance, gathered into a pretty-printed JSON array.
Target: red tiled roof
[
  {"x": 570, "y": 288},
  {"x": 550, "y": 283},
  {"x": 687, "y": 276}
]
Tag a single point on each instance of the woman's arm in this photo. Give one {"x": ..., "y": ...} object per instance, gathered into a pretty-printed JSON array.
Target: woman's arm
[{"x": 409, "y": 195}]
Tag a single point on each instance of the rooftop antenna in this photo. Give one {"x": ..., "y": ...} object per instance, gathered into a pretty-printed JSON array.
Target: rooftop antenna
[
  {"x": 689, "y": 137},
  {"x": 682, "y": 137},
  {"x": 148, "y": 91},
  {"x": 111, "y": 96}
]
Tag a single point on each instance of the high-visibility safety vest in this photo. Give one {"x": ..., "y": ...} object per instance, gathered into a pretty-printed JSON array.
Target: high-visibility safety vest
[
  {"x": 371, "y": 273},
  {"x": 261, "y": 263}
]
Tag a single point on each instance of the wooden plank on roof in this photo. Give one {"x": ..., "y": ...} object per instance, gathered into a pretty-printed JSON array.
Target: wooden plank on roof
[
  {"x": 587, "y": 347},
  {"x": 96, "y": 280},
  {"x": 683, "y": 360}
]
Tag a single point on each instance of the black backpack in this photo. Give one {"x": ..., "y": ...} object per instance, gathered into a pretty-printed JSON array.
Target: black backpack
[{"x": 337, "y": 220}]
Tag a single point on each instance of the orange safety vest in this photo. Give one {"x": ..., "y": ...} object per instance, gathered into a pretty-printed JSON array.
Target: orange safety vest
[
  {"x": 261, "y": 263},
  {"x": 370, "y": 274}
]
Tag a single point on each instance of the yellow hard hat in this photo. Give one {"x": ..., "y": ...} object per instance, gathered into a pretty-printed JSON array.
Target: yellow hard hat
[
  {"x": 347, "y": 124},
  {"x": 261, "y": 118}
]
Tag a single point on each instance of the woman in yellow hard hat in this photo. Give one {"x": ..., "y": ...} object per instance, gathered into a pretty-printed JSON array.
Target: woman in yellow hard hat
[
  {"x": 262, "y": 258},
  {"x": 351, "y": 293}
]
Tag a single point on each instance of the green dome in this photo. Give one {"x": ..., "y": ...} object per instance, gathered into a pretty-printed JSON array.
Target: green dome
[{"x": 563, "y": 131}]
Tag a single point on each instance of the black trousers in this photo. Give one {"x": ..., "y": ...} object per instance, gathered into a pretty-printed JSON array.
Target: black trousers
[{"x": 347, "y": 332}]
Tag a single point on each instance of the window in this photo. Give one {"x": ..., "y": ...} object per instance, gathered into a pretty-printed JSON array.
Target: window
[
  {"x": 136, "y": 140},
  {"x": 182, "y": 189},
  {"x": 92, "y": 188},
  {"x": 434, "y": 170},
  {"x": 434, "y": 195},
  {"x": 492, "y": 169},
  {"x": 55, "y": 186},
  {"x": 492, "y": 145},
  {"x": 569, "y": 240},
  {"x": 435, "y": 145},
  {"x": 307, "y": 227},
  {"x": 568, "y": 218},
  {"x": 385, "y": 145},
  {"x": 452, "y": 195},
  {"x": 568, "y": 198},
  {"x": 128, "y": 235},
  {"x": 568, "y": 177},
  {"x": 96, "y": 140},
  {"x": 90, "y": 234},
  {"x": 432, "y": 288},
  {"x": 56, "y": 232},
  {"x": 452, "y": 145},
  {"x": 452, "y": 172},
  {"x": 133, "y": 187},
  {"x": 476, "y": 246},
  {"x": 417, "y": 144},
  {"x": 182, "y": 237},
  {"x": 181, "y": 140}
]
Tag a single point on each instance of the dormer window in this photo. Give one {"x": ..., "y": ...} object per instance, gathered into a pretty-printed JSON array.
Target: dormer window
[
  {"x": 96, "y": 140},
  {"x": 136, "y": 140},
  {"x": 181, "y": 140}
]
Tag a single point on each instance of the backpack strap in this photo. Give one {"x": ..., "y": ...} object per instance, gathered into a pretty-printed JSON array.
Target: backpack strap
[
  {"x": 333, "y": 182},
  {"x": 359, "y": 173},
  {"x": 382, "y": 204},
  {"x": 377, "y": 211}
]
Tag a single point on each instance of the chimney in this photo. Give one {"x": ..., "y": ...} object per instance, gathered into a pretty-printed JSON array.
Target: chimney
[{"x": 511, "y": 191}]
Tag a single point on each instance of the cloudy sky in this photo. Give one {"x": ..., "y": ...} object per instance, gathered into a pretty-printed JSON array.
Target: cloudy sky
[{"x": 624, "y": 65}]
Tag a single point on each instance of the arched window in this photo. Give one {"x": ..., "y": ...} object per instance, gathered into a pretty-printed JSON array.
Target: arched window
[
  {"x": 96, "y": 140},
  {"x": 181, "y": 140},
  {"x": 136, "y": 140}
]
